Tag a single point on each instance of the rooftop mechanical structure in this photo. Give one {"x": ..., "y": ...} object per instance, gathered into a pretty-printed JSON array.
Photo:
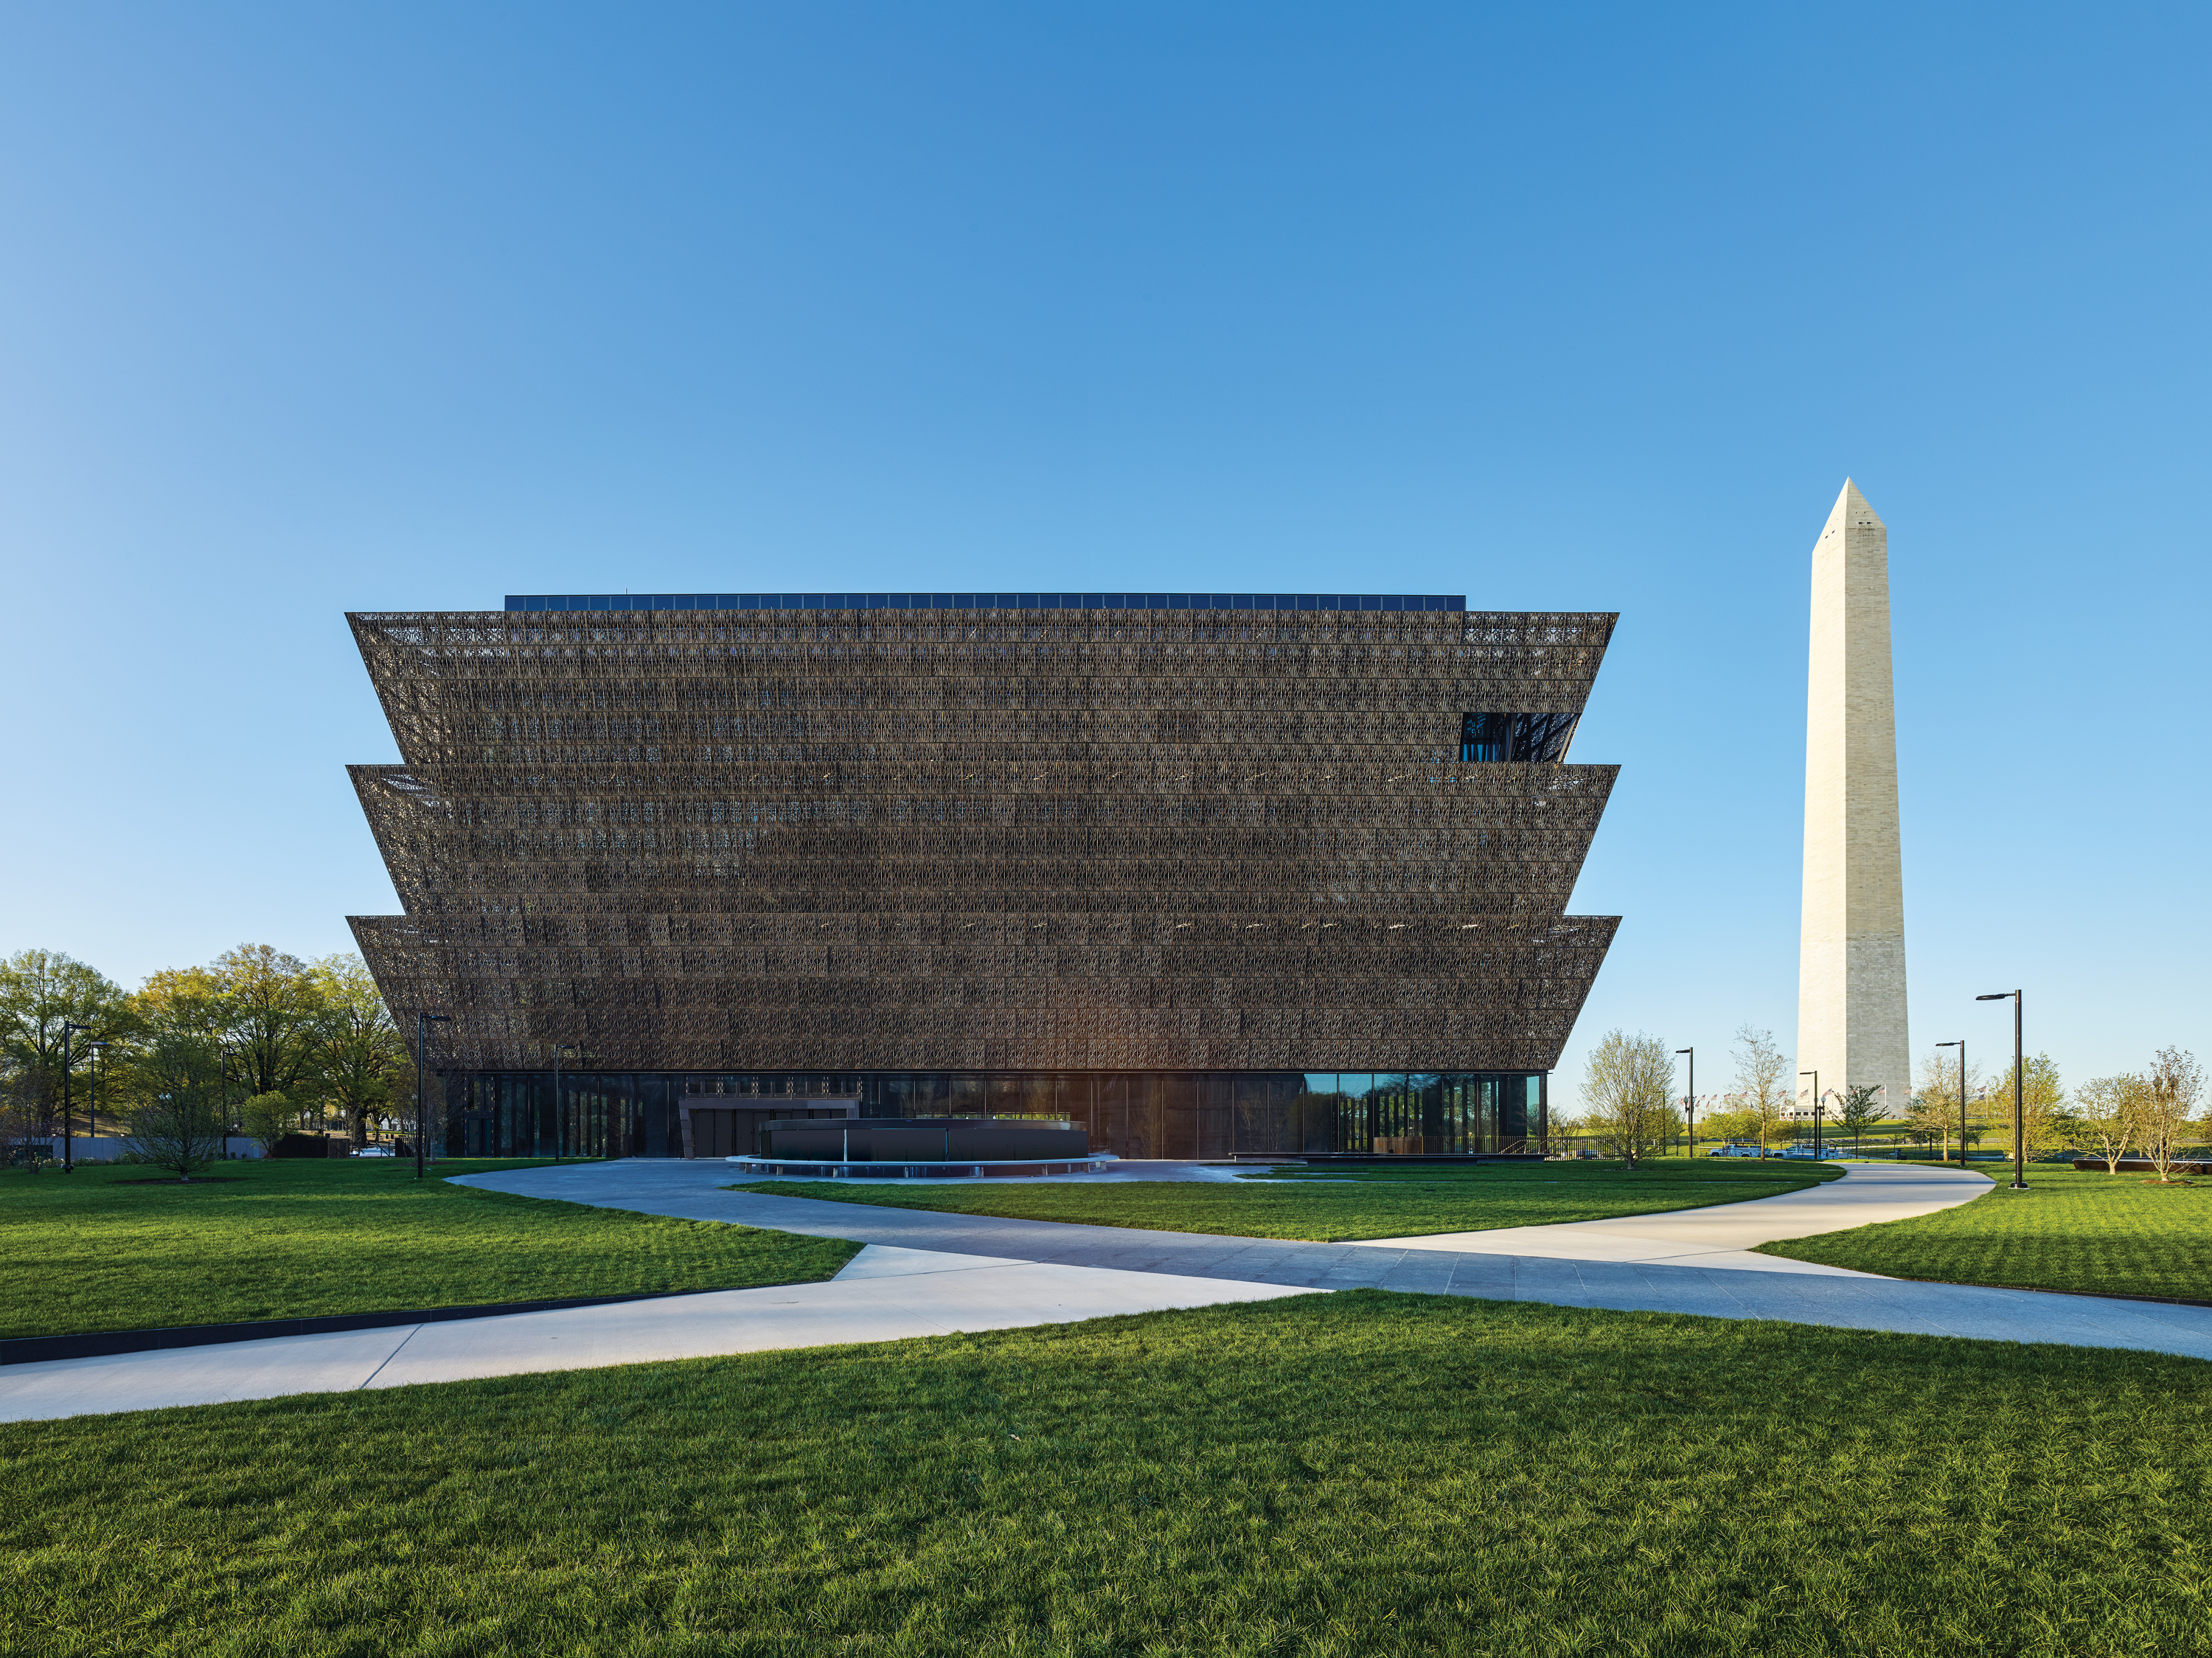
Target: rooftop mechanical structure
[{"x": 1289, "y": 872}]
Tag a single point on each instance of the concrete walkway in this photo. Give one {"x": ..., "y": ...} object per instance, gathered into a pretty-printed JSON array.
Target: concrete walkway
[
  {"x": 882, "y": 1294},
  {"x": 1722, "y": 1236},
  {"x": 1687, "y": 1261},
  {"x": 924, "y": 1273},
  {"x": 1718, "y": 1237}
]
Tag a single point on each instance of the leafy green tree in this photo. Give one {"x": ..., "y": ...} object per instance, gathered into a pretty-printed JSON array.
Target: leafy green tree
[
  {"x": 274, "y": 1001},
  {"x": 268, "y": 1118},
  {"x": 2046, "y": 1122},
  {"x": 178, "y": 1121},
  {"x": 1627, "y": 1092},
  {"x": 178, "y": 1009},
  {"x": 185, "y": 1000},
  {"x": 40, "y": 992},
  {"x": 358, "y": 1052},
  {"x": 1732, "y": 1124},
  {"x": 255, "y": 1004},
  {"x": 1858, "y": 1109}
]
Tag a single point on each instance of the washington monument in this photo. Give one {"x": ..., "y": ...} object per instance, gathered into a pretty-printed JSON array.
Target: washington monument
[{"x": 1850, "y": 968}]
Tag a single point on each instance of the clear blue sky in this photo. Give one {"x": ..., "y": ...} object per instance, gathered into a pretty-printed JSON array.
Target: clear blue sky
[{"x": 311, "y": 308}]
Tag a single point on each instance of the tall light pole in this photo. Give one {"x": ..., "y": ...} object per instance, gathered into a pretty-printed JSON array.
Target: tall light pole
[
  {"x": 1961, "y": 1046},
  {"x": 422, "y": 1022},
  {"x": 99, "y": 1047},
  {"x": 2018, "y": 1123},
  {"x": 69, "y": 1028},
  {"x": 558, "y": 1121},
  {"x": 1815, "y": 1075},
  {"x": 1690, "y": 1099}
]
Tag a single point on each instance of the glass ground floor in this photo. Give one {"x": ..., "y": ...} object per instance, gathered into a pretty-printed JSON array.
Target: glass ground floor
[{"x": 644, "y": 1113}]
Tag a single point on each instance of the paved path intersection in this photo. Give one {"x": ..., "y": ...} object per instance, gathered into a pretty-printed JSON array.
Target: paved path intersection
[{"x": 924, "y": 1273}]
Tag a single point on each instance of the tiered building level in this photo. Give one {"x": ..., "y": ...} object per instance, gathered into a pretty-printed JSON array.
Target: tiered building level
[{"x": 1204, "y": 873}]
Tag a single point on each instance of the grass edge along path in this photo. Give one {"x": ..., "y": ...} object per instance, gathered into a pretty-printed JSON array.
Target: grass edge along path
[
  {"x": 1325, "y": 1475},
  {"x": 2078, "y": 1231},
  {"x": 310, "y": 1239},
  {"x": 1481, "y": 1198}
]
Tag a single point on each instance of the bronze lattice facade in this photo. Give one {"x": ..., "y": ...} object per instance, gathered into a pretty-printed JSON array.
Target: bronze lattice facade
[{"x": 1003, "y": 850}]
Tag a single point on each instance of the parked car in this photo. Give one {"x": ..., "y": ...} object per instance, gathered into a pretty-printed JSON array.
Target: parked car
[
  {"x": 1735, "y": 1151},
  {"x": 1798, "y": 1151},
  {"x": 375, "y": 1151}
]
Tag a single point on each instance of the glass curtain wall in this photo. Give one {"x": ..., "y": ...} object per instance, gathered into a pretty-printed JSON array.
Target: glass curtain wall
[
  {"x": 1430, "y": 1112},
  {"x": 1133, "y": 1114}
]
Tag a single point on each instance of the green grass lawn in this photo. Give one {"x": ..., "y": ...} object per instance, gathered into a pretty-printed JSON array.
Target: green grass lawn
[
  {"x": 96, "y": 1250},
  {"x": 2109, "y": 1234},
  {"x": 1337, "y": 1205},
  {"x": 1333, "y": 1477}
]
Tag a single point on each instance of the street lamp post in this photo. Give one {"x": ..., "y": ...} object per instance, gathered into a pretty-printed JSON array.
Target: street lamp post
[
  {"x": 99, "y": 1047},
  {"x": 2018, "y": 1122},
  {"x": 423, "y": 1021},
  {"x": 1689, "y": 1100},
  {"x": 1815, "y": 1075},
  {"x": 68, "y": 1161},
  {"x": 1961, "y": 1046}
]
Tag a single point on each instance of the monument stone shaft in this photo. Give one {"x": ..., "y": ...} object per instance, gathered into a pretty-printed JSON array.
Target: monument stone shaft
[{"x": 1850, "y": 974}]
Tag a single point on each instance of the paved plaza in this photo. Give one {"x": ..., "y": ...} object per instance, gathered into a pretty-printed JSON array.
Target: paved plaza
[{"x": 923, "y": 1273}]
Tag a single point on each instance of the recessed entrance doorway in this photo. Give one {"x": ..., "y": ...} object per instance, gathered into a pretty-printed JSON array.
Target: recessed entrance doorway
[{"x": 715, "y": 1125}]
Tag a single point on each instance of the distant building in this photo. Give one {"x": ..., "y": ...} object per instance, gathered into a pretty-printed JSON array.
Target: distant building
[
  {"x": 1850, "y": 974},
  {"x": 1203, "y": 873}
]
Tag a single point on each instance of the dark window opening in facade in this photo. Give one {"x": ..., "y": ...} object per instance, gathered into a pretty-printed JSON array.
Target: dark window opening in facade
[
  {"x": 1483, "y": 738},
  {"x": 1515, "y": 738}
]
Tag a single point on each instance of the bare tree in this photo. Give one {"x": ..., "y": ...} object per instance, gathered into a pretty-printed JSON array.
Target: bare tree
[
  {"x": 1929, "y": 1125},
  {"x": 24, "y": 1115},
  {"x": 1935, "y": 1108},
  {"x": 1759, "y": 1071},
  {"x": 181, "y": 1132},
  {"x": 1628, "y": 1089},
  {"x": 2110, "y": 1117},
  {"x": 2177, "y": 1083}
]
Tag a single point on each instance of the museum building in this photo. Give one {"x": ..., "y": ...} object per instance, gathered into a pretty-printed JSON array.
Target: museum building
[{"x": 1203, "y": 874}]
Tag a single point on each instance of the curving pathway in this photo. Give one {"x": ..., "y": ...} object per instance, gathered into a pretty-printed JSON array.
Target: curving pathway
[
  {"x": 1723, "y": 1235},
  {"x": 923, "y": 1273}
]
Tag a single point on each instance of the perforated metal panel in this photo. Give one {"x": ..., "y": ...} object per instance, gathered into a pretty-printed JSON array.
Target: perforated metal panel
[{"x": 938, "y": 840}]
